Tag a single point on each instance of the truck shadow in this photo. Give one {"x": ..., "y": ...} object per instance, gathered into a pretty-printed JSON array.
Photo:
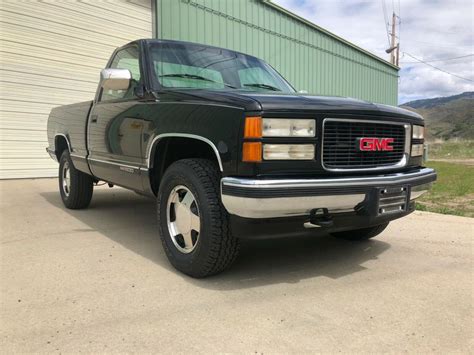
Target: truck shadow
[{"x": 130, "y": 220}]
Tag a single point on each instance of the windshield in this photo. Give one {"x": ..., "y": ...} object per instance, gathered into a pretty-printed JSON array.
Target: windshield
[{"x": 184, "y": 65}]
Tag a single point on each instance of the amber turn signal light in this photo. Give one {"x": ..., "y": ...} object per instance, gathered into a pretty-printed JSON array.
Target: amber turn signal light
[
  {"x": 253, "y": 127},
  {"x": 252, "y": 152}
]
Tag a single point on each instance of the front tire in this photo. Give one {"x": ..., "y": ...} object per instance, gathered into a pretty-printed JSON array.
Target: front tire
[
  {"x": 75, "y": 186},
  {"x": 193, "y": 224},
  {"x": 361, "y": 234}
]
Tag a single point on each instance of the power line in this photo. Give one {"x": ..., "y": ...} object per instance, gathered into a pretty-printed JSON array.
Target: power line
[
  {"x": 444, "y": 71},
  {"x": 442, "y": 60}
]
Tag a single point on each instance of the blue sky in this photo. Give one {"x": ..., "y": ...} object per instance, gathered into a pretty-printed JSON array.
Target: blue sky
[{"x": 430, "y": 30}]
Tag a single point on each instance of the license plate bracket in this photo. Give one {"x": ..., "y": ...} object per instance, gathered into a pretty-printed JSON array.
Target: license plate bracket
[{"x": 393, "y": 199}]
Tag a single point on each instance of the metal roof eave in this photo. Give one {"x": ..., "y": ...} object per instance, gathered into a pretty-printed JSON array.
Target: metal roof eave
[{"x": 330, "y": 34}]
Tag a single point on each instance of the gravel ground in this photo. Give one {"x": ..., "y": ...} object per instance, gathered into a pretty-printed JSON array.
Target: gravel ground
[{"x": 97, "y": 280}]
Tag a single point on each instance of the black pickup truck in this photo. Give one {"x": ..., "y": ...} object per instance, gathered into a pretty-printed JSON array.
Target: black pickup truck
[{"x": 230, "y": 150}]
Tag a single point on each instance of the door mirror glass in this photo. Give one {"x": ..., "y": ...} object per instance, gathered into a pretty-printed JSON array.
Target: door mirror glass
[{"x": 115, "y": 79}]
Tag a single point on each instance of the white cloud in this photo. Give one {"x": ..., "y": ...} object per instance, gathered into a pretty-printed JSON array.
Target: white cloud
[{"x": 430, "y": 29}]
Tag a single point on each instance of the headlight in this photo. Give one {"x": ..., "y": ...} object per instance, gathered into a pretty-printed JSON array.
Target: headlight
[
  {"x": 288, "y": 151},
  {"x": 418, "y": 132},
  {"x": 417, "y": 150},
  {"x": 274, "y": 127}
]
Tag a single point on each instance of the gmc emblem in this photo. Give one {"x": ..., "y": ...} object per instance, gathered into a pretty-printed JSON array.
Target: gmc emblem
[{"x": 375, "y": 144}]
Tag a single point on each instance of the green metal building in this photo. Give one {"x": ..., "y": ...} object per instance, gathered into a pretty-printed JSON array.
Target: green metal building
[
  {"x": 308, "y": 56},
  {"x": 54, "y": 51}
]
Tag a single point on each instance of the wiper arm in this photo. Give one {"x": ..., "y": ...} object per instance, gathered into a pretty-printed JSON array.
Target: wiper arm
[
  {"x": 196, "y": 77},
  {"x": 190, "y": 76},
  {"x": 263, "y": 86}
]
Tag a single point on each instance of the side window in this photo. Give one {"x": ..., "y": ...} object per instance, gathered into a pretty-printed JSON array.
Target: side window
[{"x": 127, "y": 58}]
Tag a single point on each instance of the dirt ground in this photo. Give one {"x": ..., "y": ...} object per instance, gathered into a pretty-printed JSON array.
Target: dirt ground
[{"x": 97, "y": 280}]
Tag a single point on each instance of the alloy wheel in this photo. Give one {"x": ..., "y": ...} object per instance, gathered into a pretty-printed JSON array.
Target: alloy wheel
[
  {"x": 66, "y": 178},
  {"x": 184, "y": 223}
]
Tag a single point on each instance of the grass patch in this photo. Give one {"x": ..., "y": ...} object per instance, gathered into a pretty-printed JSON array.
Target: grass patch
[
  {"x": 453, "y": 193},
  {"x": 451, "y": 150}
]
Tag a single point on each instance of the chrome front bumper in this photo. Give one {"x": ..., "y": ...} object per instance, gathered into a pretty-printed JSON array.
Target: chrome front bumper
[{"x": 270, "y": 198}]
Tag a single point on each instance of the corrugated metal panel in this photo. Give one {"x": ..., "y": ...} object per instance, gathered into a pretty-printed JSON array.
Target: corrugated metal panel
[
  {"x": 309, "y": 57},
  {"x": 51, "y": 53}
]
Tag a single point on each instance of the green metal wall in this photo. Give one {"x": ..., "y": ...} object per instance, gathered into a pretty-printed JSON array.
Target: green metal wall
[{"x": 308, "y": 57}]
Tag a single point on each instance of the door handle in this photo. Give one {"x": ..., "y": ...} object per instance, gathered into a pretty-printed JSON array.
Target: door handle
[{"x": 94, "y": 118}]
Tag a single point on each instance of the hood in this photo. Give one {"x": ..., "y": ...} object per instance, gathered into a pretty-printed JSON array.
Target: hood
[{"x": 275, "y": 102}]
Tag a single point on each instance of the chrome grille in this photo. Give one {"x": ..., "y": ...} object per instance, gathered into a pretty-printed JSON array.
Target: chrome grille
[{"x": 340, "y": 141}]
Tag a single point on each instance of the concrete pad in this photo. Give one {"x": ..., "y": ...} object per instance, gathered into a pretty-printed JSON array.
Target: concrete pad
[{"x": 97, "y": 280}]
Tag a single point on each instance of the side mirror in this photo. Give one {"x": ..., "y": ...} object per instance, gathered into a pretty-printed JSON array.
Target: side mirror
[{"x": 115, "y": 79}]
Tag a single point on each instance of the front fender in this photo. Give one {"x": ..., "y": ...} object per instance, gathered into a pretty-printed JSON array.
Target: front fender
[{"x": 218, "y": 126}]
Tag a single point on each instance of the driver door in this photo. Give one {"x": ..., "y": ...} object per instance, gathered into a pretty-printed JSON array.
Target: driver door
[{"x": 115, "y": 127}]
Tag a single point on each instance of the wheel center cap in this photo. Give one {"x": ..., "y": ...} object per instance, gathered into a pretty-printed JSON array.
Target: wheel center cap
[{"x": 183, "y": 219}]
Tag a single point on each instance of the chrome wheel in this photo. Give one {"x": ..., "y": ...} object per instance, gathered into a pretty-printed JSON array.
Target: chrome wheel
[
  {"x": 66, "y": 179},
  {"x": 183, "y": 219}
]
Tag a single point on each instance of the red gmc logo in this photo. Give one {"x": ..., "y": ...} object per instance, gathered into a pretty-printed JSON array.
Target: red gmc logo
[{"x": 375, "y": 144}]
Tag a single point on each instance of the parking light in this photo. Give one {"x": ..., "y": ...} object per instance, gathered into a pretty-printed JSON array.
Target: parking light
[
  {"x": 253, "y": 127},
  {"x": 252, "y": 152}
]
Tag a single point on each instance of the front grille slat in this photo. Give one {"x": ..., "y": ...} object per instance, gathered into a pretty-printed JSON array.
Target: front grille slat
[{"x": 340, "y": 144}]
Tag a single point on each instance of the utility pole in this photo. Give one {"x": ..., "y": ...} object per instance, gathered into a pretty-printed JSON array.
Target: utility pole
[
  {"x": 398, "y": 53},
  {"x": 392, "y": 43},
  {"x": 394, "y": 49}
]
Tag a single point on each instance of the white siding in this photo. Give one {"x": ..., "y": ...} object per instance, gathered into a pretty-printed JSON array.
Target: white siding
[{"x": 51, "y": 53}]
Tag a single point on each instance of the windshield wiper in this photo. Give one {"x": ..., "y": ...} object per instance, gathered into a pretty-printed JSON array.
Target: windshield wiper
[
  {"x": 196, "y": 77},
  {"x": 263, "y": 86}
]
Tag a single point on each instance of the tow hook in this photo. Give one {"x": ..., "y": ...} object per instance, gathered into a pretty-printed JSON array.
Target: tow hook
[{"x": 319, "y": 219}]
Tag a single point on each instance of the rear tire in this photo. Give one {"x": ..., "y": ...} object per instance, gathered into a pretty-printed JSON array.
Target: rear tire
[
  {"x": 361, "y": 234},
  {"x": 75, "y": 186},
  {"x": 193, "y": 224}
]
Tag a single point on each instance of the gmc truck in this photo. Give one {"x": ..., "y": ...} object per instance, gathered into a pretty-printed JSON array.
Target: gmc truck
[{"x": 230, "y": 150}]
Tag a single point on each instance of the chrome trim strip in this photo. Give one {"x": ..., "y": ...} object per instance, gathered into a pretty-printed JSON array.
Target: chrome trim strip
[
  {"x": 402, "y": 163},
  {"x": 114, "y": 163},
  {"x": 407, "y": 140},
  {"x": 67, "y": 141},
  {"x": 333, "y": 182},
  {"x": 183, "y": 135},
  {"x": 77, "y": 156}
]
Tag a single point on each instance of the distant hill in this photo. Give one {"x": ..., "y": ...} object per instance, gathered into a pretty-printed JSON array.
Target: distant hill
[{"x": 447, "y": 117}]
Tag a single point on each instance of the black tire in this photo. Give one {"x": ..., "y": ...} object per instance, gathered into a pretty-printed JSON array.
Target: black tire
[
  {"x": 81, "y": 185},
  {"x": 216, "y": 248},
  {"x": 361, "y": 234}
]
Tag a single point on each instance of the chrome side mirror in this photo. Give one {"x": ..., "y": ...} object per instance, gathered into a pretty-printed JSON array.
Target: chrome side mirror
[{"x": 115, "y": 79}]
